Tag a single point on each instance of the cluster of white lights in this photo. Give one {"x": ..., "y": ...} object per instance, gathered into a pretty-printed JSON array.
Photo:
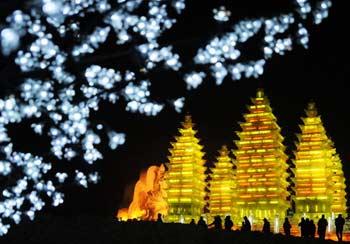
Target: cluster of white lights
[
  {"x": 58, "y": 10},
  {"x": 137, "y": 95},
  {"x": 92, "y": 42},
  {"x": 179, "y": 104},
  {"x": 39, "y": 56},
  {"x": 18, "y": 23},
  {"x": 154, "y": 55},
  {"x": 102, "y": 77},
  {"x": 60, "y": 105},
  {"x": 194, "y": 79},
  {"x": 125, "y": 20},
  {"x": 222, "y": 14}
]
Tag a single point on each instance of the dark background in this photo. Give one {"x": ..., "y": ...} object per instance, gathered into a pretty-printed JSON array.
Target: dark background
[{"x": 290, "y": 81}]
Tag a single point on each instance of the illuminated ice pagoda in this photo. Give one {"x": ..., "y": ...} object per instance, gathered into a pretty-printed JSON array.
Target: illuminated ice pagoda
[
  {"x": 186, "y": 176},
  {"x": 221, "y": 186},
  {"x": 319, "y": 179},
  {"x": 261, "y": 174},
  {"x": 338, "y": 187}
]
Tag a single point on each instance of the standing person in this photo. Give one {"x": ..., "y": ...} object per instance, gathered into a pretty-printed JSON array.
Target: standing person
[
  {"x": 228, "y": 223},
  {"x": 321, "y": 227},
  {"x": 307, "y": 227},
  {"x": 247, "y": 225},
  {"x": 217, "y": 223},
  {"x": 159, "y": 219},
  {"x": 312, "y": 229},
  {"x": 302, "y": 226},
  {"x": 266, "y": 227},
  {"x": 192, "y": 222},
  {"x": 243, "y": 227},
  {"x": 286, "y": 227},
  {"x": 201, "y": 223},
  {"x": 339, "y": 225}
]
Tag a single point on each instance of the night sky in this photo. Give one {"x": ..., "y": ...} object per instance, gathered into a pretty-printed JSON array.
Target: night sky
[{"x": 320, "y": 74}]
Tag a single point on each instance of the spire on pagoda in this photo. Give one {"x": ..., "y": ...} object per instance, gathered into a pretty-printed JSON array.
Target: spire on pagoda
[
  {"x": 185, "y": 177},
  {"x": 261, "y": 174},
  {"x": 221, "y": 186},
  {"x": 319, "y": 179}
]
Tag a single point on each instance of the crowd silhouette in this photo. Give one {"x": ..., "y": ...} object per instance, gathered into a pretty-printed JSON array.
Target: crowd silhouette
[
  {"x": 306, "y": 225},
  {"x": 89, "y": 229}
]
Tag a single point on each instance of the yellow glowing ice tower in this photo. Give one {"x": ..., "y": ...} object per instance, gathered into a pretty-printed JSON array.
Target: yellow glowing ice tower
[
  {"x": 186, "y": 178},
  {"x": 319, "y": 179},
  {"x": 261, "y": 174},
  {"x": 221, "y": 186},
  {"x": 338, "y": 186}
]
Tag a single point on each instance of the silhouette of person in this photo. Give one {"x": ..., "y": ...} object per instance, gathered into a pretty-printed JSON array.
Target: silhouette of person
[
  {"x": 339, "y": 225},
  {"x": 243, "y": 227},
  {"x": 286, "y": 227},
  {"x": 312, "y": 229},
  {"x": 266, "y": 227},
  {"x": 201, "y": 223},
  {"x": 307, "y": 227},
  {"x": 321, "y": 227},
  {"x": 217, "y": 223},
  {"x": 246, "y": 224},
  {"x": 302, "y": 226},
  {"x": 228, "y": 223},
  {"x": 192, "y": 222},
  {"x": 159, "y": 219}
]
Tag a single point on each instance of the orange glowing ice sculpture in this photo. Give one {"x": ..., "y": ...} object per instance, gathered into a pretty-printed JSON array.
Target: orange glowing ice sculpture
[
  {"x": 261, "y": 174},
  {"x": 319, "y": 179},
  {"x": 148, "y": 199},
  {"x": 186, "y": 176},
  {"x": 221, "y": 186}
]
